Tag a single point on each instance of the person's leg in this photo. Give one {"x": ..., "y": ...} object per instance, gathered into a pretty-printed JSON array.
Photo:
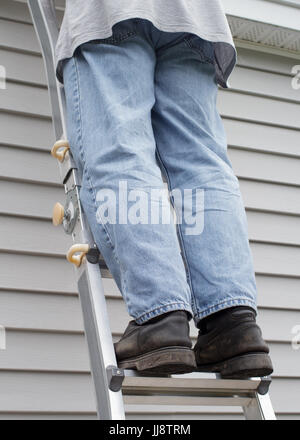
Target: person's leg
[
  {"x": 109, "y": 87},
  {"x": 192, "y": 149}
]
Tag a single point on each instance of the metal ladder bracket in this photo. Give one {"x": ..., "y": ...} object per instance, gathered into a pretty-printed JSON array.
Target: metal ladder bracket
[
  {"x": 115, "y": 377},
  {"x": 264, "y": 385}
]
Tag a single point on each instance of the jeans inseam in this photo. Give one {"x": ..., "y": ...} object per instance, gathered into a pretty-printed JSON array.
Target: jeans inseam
[
  {"x": 81, "y": 149},
  {"x": 189, "y": 278}
]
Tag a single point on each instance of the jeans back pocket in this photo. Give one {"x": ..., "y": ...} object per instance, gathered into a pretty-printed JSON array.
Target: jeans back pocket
[{"x": 203, "y": 48}]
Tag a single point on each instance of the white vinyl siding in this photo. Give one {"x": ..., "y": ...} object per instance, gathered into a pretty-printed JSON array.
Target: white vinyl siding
[{"x": 44, "y": 372}]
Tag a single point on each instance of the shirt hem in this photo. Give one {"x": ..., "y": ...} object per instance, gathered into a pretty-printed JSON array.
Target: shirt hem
[{"x": 107, "y": 32}]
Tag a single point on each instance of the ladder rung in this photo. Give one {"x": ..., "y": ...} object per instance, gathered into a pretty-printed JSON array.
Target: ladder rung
[{"x": 193, "y": 384}]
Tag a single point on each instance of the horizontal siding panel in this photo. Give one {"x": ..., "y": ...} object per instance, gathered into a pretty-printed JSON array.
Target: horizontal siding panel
[
  {"x": 278, "y": 325},
  {"x": 43, "y": 351},
  {"x": 270, "y": 197},
  {"x": 37, "y": 166},
  {"x": 265, "y": 83},
  {"x": 289, "y": 388},
  {"x": 45, "y": 312},
  {"x": 20, "y": 12},
  {"x": 47, "y": 416},
  {"x": 26, "y": 131},
  {"x": 25, "y": 99},
  {"x": 27, "y": 235},
  {"x": 11, "y": 11},
  {"x": 276, "y": 259},
  {"x": 30, "y": 392},
  {"x": 265, "y": 61},
  {"x": 50, "y": 313},
  {"x": 278, "y": 292},
  {"x": 46, "y": 392},
  {"x": 110, "y": 288},
  {"x": 36, "y": 273},
  {"x": 10, "y": 33},
  {"x": 28, "y": 199},
  {"x": 262, "y": 137},
  {"x": 285, "y": 360},
  {"x": 263, "y": 166},
  {"x": 32, "y": 67},
  {"x": 274, "y": 228},
  {"x": 266, "y": 110}
]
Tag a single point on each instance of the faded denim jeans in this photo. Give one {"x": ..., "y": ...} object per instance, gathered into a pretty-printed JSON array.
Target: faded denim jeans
[{"x": 142, "y": 105}]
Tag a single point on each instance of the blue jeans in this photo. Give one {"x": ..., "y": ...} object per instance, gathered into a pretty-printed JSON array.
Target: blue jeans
[{"x": 142, "y": 104}]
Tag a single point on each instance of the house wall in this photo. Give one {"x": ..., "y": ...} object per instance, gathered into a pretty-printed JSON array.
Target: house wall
[{"x": 44, "y": 372}]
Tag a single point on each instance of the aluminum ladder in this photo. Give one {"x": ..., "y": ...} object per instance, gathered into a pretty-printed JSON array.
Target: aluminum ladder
[{"x": 113, "y": 385}]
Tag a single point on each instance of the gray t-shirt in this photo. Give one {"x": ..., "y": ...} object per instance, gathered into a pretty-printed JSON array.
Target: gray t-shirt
[{"x": 86, "y": 20}]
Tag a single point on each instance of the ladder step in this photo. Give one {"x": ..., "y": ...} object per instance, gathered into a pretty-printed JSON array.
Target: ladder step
[{"x": 192, "y": 384}]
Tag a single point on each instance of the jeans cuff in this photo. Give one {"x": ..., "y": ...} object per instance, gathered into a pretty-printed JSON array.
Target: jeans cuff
[
  {"x": 165, "y": 308},
  {"x": 224, "y": 305}
]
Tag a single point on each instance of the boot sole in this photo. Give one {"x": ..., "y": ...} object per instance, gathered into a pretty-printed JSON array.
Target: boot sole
[
  {"x": 168, "y": 360},
  {"x": 241, "y": 367}
]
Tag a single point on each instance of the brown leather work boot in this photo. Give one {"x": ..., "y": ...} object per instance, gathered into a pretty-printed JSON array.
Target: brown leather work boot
[
  {"x": 230, "y": 343},
  {"x": 160, "y": 345}
]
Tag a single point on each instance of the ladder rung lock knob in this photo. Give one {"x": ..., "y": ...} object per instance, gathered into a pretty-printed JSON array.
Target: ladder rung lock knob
[
  {"x": 60, "y": 149},
  {"x": 58, "y": 214},
  {"x": 93, "y": 255},
  {"x": 76, "y": 253}
]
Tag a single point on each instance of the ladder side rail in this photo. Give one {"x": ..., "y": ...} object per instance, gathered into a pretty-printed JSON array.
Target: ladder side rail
[
  {"x": 260, "y": 408},
  {"x": 46, "y": 26},
  {"x": 102, "y": 356},
  {"x": 96, "y": 322}
]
